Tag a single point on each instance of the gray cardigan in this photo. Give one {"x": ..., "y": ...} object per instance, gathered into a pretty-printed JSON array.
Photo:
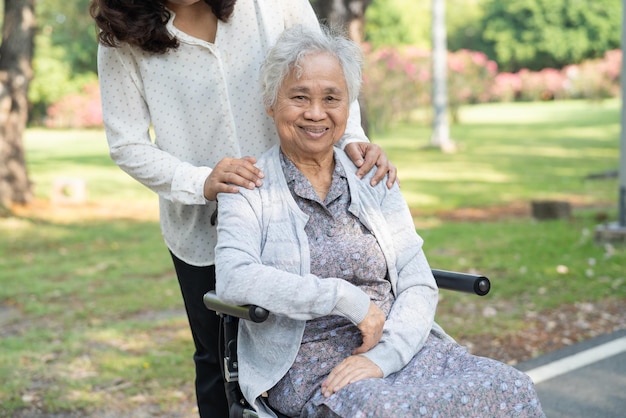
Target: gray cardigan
[{"x": 262, "y": 258}]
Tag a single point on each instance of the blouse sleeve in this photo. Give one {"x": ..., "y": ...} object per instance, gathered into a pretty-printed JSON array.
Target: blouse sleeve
[{"x": 127, "y": 122}]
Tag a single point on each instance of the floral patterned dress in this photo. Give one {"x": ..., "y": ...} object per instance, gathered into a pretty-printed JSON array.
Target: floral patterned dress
[{"x": 442, "y": 380}]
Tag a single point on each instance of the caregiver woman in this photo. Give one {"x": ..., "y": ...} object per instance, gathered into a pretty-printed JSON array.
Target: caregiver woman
[{"x": 189, "y": 70}]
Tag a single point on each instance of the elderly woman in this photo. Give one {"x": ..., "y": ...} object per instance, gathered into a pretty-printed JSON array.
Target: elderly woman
[{"x": 339, "y": 265}]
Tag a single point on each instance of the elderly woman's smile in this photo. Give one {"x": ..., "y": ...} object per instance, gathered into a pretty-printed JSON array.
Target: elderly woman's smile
[
  {"x": 312, "y": 107},
  {"x": 315, "y": 131}
]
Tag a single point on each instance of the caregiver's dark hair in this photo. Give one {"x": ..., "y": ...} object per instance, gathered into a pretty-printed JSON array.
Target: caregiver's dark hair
[{"x": 142, "y": 22}]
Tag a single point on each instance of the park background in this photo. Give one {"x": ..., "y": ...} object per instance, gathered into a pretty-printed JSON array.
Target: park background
[{"x": 91, "y": 319}]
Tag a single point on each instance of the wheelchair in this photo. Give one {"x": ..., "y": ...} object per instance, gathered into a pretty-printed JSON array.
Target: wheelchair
[{"x": 231, "y": 314}]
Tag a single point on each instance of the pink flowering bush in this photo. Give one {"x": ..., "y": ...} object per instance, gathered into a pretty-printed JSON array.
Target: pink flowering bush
[
  {"x": 396, "y": 81},
  {"x": 595, "y": 79},
  {"x": 471, "y": 76},
  {"x": 82, "y": 110},
  {"x": 592, "y": 80},
  {"x": 547, "y": 84},
  {"x": 506, "y": 87}
]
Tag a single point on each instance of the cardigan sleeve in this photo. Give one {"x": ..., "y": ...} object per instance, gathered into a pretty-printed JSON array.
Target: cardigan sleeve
[
  {"x": 412, "y": 315},
  {"x": 260, "y": 262}
]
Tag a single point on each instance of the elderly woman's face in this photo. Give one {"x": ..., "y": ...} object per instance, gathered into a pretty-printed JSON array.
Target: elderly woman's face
[{"x": 311, "y": 111}]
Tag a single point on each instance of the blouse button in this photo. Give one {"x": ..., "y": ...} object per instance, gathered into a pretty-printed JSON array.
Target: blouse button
[{"x": 331, "y": 232}]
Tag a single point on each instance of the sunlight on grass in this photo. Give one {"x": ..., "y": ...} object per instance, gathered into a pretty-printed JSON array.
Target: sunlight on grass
[
  {"x": 536, "y": 112},
  {"x": 135, "y": 342},
  {"x": 510, "y": 152},
  {"x": 548, "y": 151},
  {"x": 420, "y": 199},
  {"x": 81, "y": 154},
  {"x": 470, "y": 173}
]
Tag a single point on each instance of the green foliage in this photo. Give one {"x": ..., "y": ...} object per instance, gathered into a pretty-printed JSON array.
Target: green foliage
[
  {"x": 52, "y": 77},
  {"x": 464, "y": 19},
  {"x": 408, "y": 22},
  {"x": 68, "y": 24},
  {"x": 65, "y": 54},
  {"x": 550, "y": 33},
  {"x": 398, "y": 22}
]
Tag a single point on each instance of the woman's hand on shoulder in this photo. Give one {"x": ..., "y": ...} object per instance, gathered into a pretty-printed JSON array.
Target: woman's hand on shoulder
[
  {"x": 230, "y": 174},
  {"x": 365, "y": 155},
  {"x": 350, "y": 370}
]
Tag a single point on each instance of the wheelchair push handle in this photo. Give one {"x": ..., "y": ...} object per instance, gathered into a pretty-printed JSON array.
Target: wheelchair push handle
[{"x": 451, "y": 280}]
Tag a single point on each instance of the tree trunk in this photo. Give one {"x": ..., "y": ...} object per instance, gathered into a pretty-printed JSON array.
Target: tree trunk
[
  {"x": 348, "y": 15},
  {"x": 441, "y": 127},
  {"x": 16, "y": 53}
]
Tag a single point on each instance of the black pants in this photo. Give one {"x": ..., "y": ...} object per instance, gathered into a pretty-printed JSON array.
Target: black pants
[{"x": 194, "y": 283}]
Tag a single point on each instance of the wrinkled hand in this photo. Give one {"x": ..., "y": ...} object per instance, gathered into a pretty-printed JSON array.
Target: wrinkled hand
[
  {"x": 357, "y": 367},
  {"x": 371, "y": 329},
  {"x": 230, "y": 174},
  {"x": 365, "y": 155},
  {"x": 352, "y": 369}
]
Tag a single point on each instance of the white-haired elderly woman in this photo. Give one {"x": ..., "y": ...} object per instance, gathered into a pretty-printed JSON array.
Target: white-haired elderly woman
[{"x": 338, "y": 263}]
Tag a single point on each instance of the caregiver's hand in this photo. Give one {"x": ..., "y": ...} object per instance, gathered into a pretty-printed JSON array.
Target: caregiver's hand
[
  {"x": 365, "y": 155},
  {"x": 230, "y": 174}
]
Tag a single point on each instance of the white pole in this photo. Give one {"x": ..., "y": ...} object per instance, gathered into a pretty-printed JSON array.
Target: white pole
[{"x": 441, "y": 128}]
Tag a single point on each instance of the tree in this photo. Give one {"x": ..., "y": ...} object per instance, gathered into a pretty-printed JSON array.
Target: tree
[
  {"x": 65, "y": 51},
  {"x": 16, "y": 54},
  {"x": 67, "y": 24},
  {"x": 347, "y": 14},
  {"x": 398, "y": 22},
  {"x": 465, "y": 30},
  {"x": 549, "y": 33},
  {"x": 441, "y": 127}
]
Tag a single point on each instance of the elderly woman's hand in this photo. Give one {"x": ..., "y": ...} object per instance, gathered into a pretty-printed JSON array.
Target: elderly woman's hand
[
  {"x": 371, "y": 328},
  {"x": 365, "y": 155},
  {"x": 231, "y": 173},
  {"x": 356, "y": 367},
  {"x": 351, "y": 370}
]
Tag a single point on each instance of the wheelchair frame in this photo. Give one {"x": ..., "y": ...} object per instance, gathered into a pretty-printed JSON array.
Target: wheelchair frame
[{"x": 231, "y": 314}]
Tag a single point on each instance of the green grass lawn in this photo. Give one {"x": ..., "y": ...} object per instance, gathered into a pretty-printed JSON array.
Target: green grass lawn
[
  {"x": 508, "y": 153},
  {"x": 90, "y": 311}
]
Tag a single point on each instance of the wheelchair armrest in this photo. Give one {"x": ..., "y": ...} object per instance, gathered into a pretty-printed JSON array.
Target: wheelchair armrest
[
  {"x": 250, "y": 312},
  {"x": 451, "y": 280},
  {"x": 462, "y": 282}
]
